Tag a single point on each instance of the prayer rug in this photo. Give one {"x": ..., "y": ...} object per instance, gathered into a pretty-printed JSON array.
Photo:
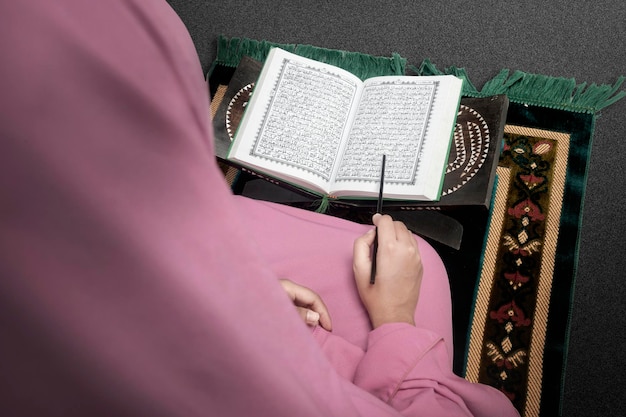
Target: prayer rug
[
  {"x": 519, "y": 317},
  {"x": 512, "y": 280}
]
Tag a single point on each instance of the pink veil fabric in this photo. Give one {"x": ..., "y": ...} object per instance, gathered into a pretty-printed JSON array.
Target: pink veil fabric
[{"x": 132, "y": 282}]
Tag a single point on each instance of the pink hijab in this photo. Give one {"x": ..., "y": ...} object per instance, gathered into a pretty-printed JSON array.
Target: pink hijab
[{"x": 133, "y": 283}]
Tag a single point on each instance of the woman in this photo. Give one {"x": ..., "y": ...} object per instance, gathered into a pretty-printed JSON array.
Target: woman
[{"x": 134, "y": 283}]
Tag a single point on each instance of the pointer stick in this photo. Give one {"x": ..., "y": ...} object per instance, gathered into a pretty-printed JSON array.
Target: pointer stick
[{"x": 379, "y": 209}]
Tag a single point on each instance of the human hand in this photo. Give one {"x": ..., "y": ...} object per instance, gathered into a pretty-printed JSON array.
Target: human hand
[
  {"x": 308, "y": 303},
  {"x": 399, "y": 271}
]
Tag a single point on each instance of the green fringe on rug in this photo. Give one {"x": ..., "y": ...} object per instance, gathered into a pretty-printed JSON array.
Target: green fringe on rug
[
  {"x": 540, "y": 90},
  {"x": 520, "y": 87},
  {"x": 231, "y": 50}
]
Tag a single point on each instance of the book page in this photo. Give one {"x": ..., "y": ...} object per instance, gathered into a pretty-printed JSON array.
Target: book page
[
  {"x": 391, "y": 119},
  {"x": 301, "y": 118},
  {"x": 411, "y": 120}
]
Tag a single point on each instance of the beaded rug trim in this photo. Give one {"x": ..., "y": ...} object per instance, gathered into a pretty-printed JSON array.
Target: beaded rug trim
[
  {"x": 230, "y": 173},
  {"x": 508, "y": 327}
]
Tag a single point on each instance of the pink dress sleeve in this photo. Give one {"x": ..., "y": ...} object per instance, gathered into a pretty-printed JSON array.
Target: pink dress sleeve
[
  {"x": 409, "y": 368},
  {"x": 132, "y": 282}
]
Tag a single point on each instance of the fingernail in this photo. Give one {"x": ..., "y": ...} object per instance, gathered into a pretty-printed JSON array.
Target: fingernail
[{"x": 312, "y": 317}]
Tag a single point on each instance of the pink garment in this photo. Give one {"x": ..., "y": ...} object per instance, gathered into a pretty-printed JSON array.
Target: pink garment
[{"x": 132, "y": 283}]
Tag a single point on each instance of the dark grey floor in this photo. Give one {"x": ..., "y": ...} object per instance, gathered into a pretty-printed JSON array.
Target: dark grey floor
[{"x": 580, "y": 39}]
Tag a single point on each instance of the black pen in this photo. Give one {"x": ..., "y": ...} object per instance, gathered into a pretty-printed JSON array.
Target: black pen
[{"x": 379, "y": 209}]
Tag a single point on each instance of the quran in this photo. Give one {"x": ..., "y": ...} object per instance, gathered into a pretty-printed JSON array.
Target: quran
[{"x": 320, "y": 128}]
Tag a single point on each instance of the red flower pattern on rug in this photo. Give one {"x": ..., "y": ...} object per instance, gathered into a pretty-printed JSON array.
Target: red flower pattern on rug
[{"x": 509, "y": 325}]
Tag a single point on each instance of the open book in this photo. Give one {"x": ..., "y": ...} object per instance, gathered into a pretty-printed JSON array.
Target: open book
[{"x": 321, "y": 128}]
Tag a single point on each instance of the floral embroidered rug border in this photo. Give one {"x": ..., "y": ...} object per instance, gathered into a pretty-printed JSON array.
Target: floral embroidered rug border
[
  {"x": 508, "y": 330},
  {"x": 518, "y": 330}
]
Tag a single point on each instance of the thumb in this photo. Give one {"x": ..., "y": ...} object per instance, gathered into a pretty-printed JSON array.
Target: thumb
[{"x": 362, "y": 253}]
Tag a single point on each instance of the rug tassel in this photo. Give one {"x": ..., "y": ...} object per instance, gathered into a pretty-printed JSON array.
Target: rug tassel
[
  {"x": 324, "y": 204},
  {"x": 541, "y": 90},
  {"x": 428, "y": 68},
  {"x": 231, "y": 50}
]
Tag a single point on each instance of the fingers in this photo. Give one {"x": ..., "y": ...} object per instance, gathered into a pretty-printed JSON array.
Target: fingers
[
  {"x": 309, "y": 316},
  {"x": 318, "y": 307},
  {"x": 310, "y": 305},
  {"x": 363, "y": 244},
  {"x": 398, "y": 273},
  {"x": 390, "y": 230},
  {"x": 404, "y": 235},
  {"x": 362, "y": 262}
]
